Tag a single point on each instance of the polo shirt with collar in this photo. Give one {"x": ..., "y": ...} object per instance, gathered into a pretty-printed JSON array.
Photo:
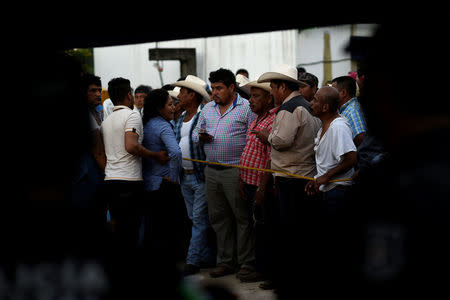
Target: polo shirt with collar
[{"x": 120, "y": 164}]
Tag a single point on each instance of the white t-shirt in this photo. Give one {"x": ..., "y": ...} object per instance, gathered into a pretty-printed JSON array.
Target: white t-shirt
[
  {"x": 184, "y": 144},
  {"x": 121, "y": 165},
  {"x": 336, "y": 141},
  {"x": 107, "y": 108}
]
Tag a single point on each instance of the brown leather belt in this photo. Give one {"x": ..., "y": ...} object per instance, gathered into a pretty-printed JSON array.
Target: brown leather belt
[
  {"x": 219, "y": 167},
  {"x": 188, "y": 172}
]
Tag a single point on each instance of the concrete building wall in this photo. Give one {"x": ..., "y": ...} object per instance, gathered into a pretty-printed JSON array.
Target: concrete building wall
[{"x": 256, "y": 52}]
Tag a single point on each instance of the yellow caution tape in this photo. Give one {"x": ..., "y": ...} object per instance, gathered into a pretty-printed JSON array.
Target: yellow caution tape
[{"x": 262, "y": 170}]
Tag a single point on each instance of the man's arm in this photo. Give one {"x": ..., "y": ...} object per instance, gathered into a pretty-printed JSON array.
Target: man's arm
[
  {"x": 283, "y": 135},
  {"x": 348, "y": 162},
  {"x": 259, "y": 196},
  {"x": 133, "y": 146},
  {"x": 358, "y": 139},
  {"x": 98, "y": 149}
]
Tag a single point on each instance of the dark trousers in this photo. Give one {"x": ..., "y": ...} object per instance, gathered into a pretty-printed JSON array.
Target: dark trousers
[
  {"x": 265, "y": 219},
  {"x": 124, "y": 200},
  {"x": 296, "y": 234},
  {"x": 167, "y": 226}
]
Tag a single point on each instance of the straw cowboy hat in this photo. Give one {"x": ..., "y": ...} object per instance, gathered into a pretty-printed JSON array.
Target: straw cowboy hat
[
  {"x": 264, "y": 86},
  {"x": 194, "y": 83},
  {"x": 282, "y": 72},
  {"x": 241, "y": 81},
  {"x": 175, "y": 92}
]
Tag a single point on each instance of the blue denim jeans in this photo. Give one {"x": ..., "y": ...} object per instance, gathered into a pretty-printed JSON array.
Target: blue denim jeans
[{"x": 193, "y": 191}]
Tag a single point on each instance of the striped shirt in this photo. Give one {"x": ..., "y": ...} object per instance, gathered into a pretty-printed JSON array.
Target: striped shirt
[
  {"x": 256, "y": 154},
  {"x": 228, "y": 130},
  {"x": 352, "y": 111}
]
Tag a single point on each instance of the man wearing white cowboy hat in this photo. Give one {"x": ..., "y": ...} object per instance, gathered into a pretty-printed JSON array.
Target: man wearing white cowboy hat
[
  {"x": 192, "y": 92},
  {"x": 253, "y": 183},
  {"x": 292, "y": 151}
]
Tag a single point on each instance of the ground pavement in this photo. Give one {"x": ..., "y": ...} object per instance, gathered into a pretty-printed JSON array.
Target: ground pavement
[{"x": 242, "y": 291}]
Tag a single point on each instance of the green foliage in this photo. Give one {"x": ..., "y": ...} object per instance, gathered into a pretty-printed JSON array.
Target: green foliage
[{"x": 85, "y": 57}]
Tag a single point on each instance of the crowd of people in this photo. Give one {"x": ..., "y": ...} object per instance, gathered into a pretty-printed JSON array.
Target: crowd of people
[
  {"x": 306, "y": 135},
  {"x": 355, "y": 202}
]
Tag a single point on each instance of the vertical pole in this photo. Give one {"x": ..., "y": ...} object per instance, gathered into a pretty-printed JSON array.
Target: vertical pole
[{"x": 327, "y": 75}]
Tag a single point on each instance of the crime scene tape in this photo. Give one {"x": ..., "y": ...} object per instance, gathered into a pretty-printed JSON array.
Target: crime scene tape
[{"x": 262, "y": 170}]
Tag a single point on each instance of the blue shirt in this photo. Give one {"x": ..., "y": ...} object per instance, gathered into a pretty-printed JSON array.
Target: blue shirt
[
  {"x": 159, "y": 135},
  {"x": 352, "y": 111}
]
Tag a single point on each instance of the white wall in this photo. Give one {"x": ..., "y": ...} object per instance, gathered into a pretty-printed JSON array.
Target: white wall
[{"x": 257, "y": 52}]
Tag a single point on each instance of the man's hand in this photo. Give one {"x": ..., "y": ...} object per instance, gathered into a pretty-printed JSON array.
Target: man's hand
[
  {"x": 324, "y": 179},
  {"x": 262, "y": 135},
  {"x": 259, "y": 197},
  {"x": 162, "y": 157},
  {"x": 205, "y": 137},
  {"x": 310, "y": 188}
]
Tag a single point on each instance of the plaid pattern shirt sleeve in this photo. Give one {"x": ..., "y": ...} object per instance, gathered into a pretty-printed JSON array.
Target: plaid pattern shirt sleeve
[
  {"x": 255, "y": 153},
  {"x": 352, "y": 111},
  {"x": 228, "y": 130}
]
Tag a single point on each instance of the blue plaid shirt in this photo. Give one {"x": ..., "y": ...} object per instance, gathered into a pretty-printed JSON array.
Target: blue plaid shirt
[
  {"x": 352, "y": 111},
  {"x": 195, "y": 149}
]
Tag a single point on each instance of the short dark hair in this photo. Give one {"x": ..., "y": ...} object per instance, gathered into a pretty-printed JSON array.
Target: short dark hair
[
  {"x": 289, "y": 84},
  {"x": 143, "y": 89},
  {"x": 240, "y": 71},
  {"x": 198, "y": 97},
  {"x": 167, "y": 87},
  {"x": 118, "y": 88},
  {"x": 224, "y": 76},
  {"x": 154, "y": 101},
  {"x": 347, "y": 83},
  {"x": 88, "y": 79}
]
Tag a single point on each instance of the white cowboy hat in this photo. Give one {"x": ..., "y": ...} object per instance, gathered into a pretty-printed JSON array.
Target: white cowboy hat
[
  {"x": 264, "y": 86},
  {"x": 241, "y": 81},
  {"x": 175, "y": 92},
  {"x": 281, "y": 72},
  {"x": 194, "y": 83}
]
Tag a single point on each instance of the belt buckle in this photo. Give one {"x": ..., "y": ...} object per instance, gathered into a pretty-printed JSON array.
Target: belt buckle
[{"x": 188, "y": 172}]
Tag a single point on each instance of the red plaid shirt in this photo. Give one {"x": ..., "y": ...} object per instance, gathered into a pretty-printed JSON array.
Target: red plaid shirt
[{"x": 255, "y": 153}]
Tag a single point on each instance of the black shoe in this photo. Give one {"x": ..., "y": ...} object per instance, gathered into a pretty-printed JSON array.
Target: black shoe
[
  {"x": 190, "y": 269},
  {"x": 221, "y": 271},
  {"x": 267, "y": 285},
  {"x": 244, "y": 271},
  {"x": 251, "y": 277}
]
